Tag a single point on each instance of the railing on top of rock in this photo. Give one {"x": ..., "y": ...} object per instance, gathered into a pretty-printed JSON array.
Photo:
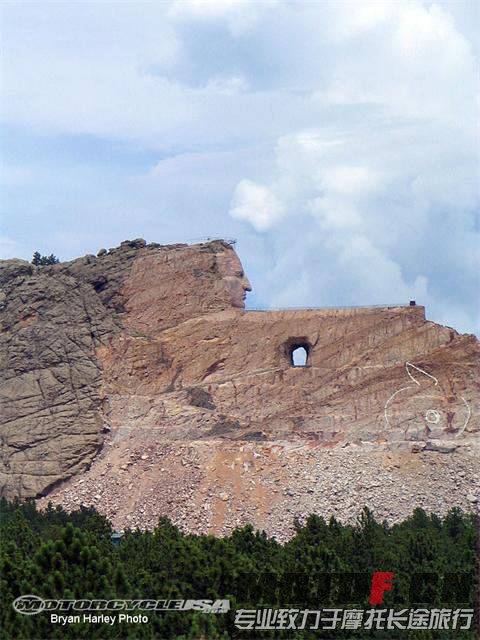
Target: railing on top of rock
[
  {"x": 231, "y": 241},
  {"x": 411, "y": 303}
]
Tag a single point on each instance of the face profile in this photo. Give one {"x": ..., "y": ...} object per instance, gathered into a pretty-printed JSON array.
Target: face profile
[{"x": 233, "y": 277}]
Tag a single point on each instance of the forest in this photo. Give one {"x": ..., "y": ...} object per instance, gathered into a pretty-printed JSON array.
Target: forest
[{"x": 58, "y": 555}]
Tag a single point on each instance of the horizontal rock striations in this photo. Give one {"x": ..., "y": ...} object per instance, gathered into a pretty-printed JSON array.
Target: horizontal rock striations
[{"x": 121, "y": 366}]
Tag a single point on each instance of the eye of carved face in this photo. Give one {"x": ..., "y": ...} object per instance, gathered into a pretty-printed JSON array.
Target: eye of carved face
[{"x": 432, "y": 416}]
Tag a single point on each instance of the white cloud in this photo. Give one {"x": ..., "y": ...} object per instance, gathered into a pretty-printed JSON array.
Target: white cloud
[
  {"x": 376, "y": 232},
  {"x": 206, "y": 8},
  {"x": 240, "y": 15},
  {"x": 340, "y": 137},
  {"x": 410, "y": 59},
  {"x": 229, "y": 85},
  {"x": 257, "y": 205},
  {"x": 353, "y": 181}
]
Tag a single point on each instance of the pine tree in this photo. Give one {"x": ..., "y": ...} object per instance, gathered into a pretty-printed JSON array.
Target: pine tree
[{"x": 39, "y": 260}]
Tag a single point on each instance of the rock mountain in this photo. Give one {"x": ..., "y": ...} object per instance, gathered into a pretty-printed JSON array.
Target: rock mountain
[{"x": 136, "y": 381}]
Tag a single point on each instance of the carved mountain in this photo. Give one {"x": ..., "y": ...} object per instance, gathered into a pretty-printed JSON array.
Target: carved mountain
[{"x": 138, "y": 374}]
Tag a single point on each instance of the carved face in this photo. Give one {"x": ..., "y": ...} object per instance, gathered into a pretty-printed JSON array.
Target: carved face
[{"x": 233, "y": 277}]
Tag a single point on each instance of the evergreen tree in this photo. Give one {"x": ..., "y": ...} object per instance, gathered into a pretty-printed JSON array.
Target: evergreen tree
[
  {"x": 36, "y": 260},
  {"x": 39, "y": 260},
  {"x": 55, "y": 554}
]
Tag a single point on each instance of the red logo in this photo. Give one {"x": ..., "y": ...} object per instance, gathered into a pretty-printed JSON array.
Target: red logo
[{"x": 380, "y": 584}]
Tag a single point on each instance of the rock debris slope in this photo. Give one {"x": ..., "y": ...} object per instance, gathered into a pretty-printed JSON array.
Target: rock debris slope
[{"x": 136, "y": 381}]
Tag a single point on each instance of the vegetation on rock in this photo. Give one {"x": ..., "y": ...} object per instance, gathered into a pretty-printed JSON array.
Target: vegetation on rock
[{"x": 39, "y": 260}]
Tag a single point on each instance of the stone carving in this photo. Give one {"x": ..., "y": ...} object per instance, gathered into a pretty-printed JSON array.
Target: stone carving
[{"x": 149, "y": 347}]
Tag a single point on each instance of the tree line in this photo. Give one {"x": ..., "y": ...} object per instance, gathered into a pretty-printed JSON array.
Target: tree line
[{"x": 55, "y": 554}]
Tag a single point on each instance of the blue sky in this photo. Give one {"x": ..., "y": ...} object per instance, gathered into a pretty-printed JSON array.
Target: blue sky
[{"x": 336, "y": 141}]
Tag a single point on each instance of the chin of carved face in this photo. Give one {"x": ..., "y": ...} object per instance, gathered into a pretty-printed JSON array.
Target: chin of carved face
[{"x": 237, "y": 292}]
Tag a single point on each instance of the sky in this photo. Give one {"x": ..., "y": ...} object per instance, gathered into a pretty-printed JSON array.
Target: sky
[{"x": 335, "y": 141}]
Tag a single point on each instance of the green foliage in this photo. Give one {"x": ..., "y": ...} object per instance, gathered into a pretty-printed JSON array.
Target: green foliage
[
  {"x": 54, "y": 554},
  {"x": 39, "y": 260}
]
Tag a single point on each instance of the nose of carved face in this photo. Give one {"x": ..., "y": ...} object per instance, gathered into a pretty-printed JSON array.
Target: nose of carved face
[
  {"x": 237, "y": 288},
  {"x": 246, "y": 286}
]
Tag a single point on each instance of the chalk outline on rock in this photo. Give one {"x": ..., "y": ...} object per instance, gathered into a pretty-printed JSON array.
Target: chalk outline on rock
[{"x": 410, "y": 365}]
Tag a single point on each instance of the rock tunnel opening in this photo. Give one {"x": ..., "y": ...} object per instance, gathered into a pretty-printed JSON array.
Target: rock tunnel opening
[{"x": 299, "y": 355}]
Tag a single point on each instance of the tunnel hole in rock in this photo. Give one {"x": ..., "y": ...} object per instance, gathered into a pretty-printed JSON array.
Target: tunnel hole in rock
[
  {"x": 299, "y": 355},
  {"x": 296, "y": 350}
]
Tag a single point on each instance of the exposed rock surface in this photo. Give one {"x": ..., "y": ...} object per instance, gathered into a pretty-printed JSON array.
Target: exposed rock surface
[
  {"x": 213, "y": 486},
  {"x": 144, "y": 360},
  {"x": 56, "y": 320},
  {"x": 51, "y": 421}
]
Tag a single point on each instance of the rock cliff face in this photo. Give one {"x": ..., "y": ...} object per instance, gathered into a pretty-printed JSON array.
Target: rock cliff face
[
  {"x": 60, "y": 322},
  {"x": 138, "y": 374}
]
